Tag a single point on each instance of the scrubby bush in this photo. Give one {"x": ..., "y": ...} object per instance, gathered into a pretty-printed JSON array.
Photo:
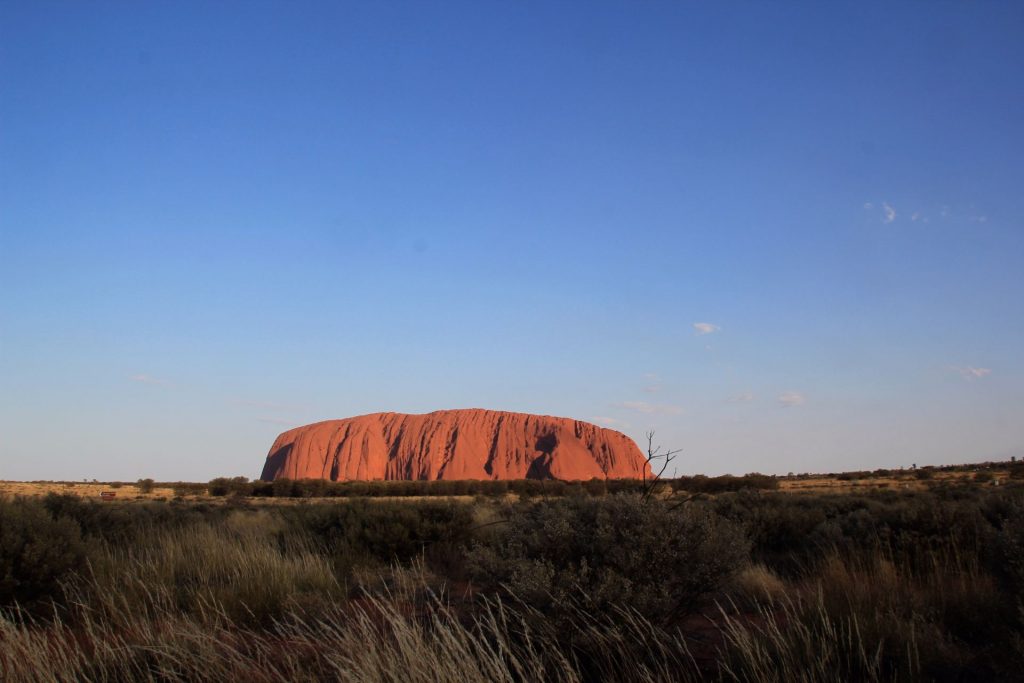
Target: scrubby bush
[
  {"x": 379, "y": 533},
  {"x": 284, "y": 488},
  {"x": 183, "y": 488},
  {"x": 235, "y": 486},
  {"x": 126, "y": 525},
  {"x": 614, "y": 551},
  {"x": 38, "y": 551},
  {"x": 725, "y": 483},
  {"x": 878, "y": 585}
]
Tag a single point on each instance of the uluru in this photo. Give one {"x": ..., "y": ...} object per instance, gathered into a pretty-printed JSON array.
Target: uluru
[{"x": 454, "y": 444}]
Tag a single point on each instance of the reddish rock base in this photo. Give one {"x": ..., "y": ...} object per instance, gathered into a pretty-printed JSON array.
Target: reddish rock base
[{"x": 453, "y": 444}]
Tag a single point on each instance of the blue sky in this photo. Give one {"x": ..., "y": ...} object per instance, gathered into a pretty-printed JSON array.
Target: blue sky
[{"x": 786, "y": 237}]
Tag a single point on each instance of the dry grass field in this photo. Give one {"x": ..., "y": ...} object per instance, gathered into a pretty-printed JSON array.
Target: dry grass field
[
  {"x": 778, "y": 583},
  {"x": 82, "y": 489},
  {"x": 124, "y": 492},
  {"x": 906, "y": 480}
]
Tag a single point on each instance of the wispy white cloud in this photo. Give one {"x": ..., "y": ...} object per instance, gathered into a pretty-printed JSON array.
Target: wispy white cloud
[
  {"x": 266, "y": 405},
  {"x": 655, "y": 383},
  {"x": 978, "y": 219},
  {"x": 868, "y": 206},
  {"x": 888, "y": 213},
  {"x": 608, "y": 421},
  {"x": 971, "y": 373},
  {"x": 791, "y": 399},
  {"x": 276, "y": 421},
  {"x": 745, "y": 397},
  {"x": 706, "y": 328},
  {"x": 147, "y": 379},
  {"x": 916, "y": 216},
  {"x": 650, "y": 408}
]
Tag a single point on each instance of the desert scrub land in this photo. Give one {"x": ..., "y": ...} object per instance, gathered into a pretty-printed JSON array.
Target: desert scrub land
[
  {"x": 289, "y": 490},
  {"x": 573, "y": 585}
]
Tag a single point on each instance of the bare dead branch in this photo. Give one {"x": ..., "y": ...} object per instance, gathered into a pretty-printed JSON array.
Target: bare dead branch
[{"x": 654, "y": 453}]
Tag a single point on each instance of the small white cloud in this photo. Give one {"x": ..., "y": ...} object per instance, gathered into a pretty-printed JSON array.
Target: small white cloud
[
  {"x": 652, "y": 389},
  {"x": 889, "y": 213},
  {"x": 868, "y": 206},
  {"x": 978, "y": 219},
  {"x": 791, "y": 399},
  {"x": 146, "y": 379},
  {"x": 650, "y": 408},
  {"x": 971, "y": 373},
  {"x": 706, "y": 328},
  {"x": 916, "y": 216},
  {"x": 608, "y": 421},
  {"x": 745, "y": 397},
  {"x": 651, "y": 376}
]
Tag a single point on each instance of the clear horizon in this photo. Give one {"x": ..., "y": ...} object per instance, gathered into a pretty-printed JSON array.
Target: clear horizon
[{"x": 785, "y": 238}]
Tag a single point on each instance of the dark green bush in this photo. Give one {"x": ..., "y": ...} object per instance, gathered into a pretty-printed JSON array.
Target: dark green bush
[
  {"x": 382, "y": 532},
  {"x": 285, "y": 488},
  {"x": 723, "y": 484},
  {"x": 182, "y": 488},
  {"x": 38, "y": 551},
  {"x": 125, "y": 524},
  {"x": 619, "y": 550},
  {"x": 235, "y": 486}
]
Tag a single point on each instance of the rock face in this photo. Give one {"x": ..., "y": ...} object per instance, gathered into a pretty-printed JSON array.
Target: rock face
[{"x": 453, "y": 444}]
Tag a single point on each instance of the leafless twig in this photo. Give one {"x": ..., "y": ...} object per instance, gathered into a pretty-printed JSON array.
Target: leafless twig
[{"x": 654, "y": 453}]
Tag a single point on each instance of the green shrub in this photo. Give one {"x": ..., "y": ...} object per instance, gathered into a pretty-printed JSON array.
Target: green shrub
[
  {"x": 127, "y": 524},
  {"x": 620, "y": 550},
  {"x": 236, "y": 486},
  {"x": 37, "y": 553},
  {"x": 285, "y": 488},
  {"x": 182, "y": 488},
  {"x": 382, "y": 532},
  {"x": 726, "y": 483}
]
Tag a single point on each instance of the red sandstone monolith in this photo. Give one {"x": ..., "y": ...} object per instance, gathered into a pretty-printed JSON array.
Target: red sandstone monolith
[{"x": 454, "y": 444}]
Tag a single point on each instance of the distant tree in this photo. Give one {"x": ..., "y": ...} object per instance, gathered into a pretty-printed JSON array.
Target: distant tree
[{"x": 145, "y": 485}]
